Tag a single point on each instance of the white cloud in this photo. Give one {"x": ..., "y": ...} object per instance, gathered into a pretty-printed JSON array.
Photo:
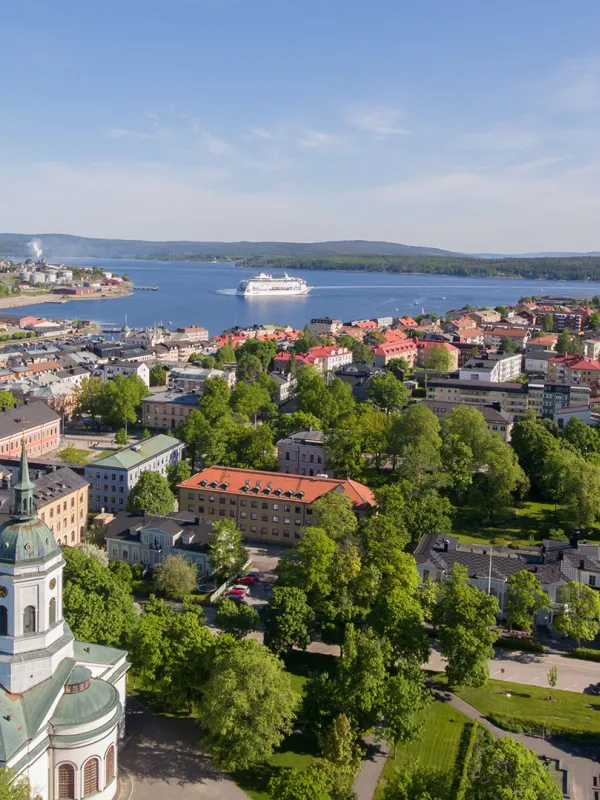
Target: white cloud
[
  {"x": 321, "y": 139},
  {"x": 215, "y": 146},
  {"x": 125, "y": 133},
  {"x": 577, "y": 85},
  {"x": 381, "y": 121}
]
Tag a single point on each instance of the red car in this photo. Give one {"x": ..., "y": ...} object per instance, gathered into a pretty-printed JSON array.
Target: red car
[
  {"x": 237, "y": 592},
  {"x": 248, "y": 580}
]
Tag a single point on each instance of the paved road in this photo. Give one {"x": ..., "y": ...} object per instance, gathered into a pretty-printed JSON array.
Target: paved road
[
  {"x": 532, "y": 669},
  {"x": 161, "y": 756}
]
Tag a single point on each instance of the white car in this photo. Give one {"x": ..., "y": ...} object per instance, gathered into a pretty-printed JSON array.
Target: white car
[{"x": 242, "y": 588}]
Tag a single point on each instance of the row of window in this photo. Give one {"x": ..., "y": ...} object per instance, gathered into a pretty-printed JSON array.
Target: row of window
[
  {"x": 319, "y": 459},
  {"x": 243, "y": 502},
  {"x": 29, "y": 618},
  {"x": 265, "y": 531},
  {"x": 66, "y": 774}
]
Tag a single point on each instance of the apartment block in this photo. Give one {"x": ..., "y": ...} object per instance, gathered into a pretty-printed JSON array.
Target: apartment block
[
  {"x": 492, "y": 367},
  {"x": 165, "y": 410},
  {"x": 302, "y": 453}
]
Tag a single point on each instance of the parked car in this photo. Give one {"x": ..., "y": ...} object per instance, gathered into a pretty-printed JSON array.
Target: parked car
[
  {"x": 239, "y": 591},
  {"x": 253, "y": 574},
  {"x": 242, "y": 588},
  {"x": 235, "y": 596},
  {"x": 248, "y": 580}
]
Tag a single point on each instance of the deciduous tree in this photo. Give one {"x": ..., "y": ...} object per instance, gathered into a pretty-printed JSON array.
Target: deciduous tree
[
  {"x": 237, "y": 619},
  {"x": 525, "y": 598},
  {"x": 151, "y": 494},
  {"x": 247, "y": 706},
  {"x": 387, "y": 392},
  {"x": 333, "y": 513},
  {"x": 158, "y": 375},
  {"x": 581, "y": 617},
  {"x": 287, "y": 620},
  {"x": 225, "y": 549},
  {"x": 176, "y": 577},
  {"x": 178, "y": 473},
  {"x": 406, "y": 697}
]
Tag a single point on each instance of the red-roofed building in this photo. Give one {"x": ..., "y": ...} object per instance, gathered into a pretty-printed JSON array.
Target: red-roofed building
[
  {"x": 460, "y": 324},
  {"x": 406, "y": 349},
  {"x": 424, "y": 356},
  {"x": 234, "y": 339},
  {"x": 407, "y": 322},
  {"x": 365, "y": 324},
  {"x": 266, "y": 506},
  {"x": 352, "y": 330},
  {"x": 494, "y": 338},
  {"x": 470, "y": 336},
  {"x": 394, "y": 335},
  {"x": 281, "y": 362},
  {"x": 332, "y": 357},
  {"x": 574, "y": 370}
]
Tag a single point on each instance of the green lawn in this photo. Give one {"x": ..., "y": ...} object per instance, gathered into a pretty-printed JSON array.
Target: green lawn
[
  {"x": 74, "y": 455},
  {"x": 576, "y": 714},
  {"x": 438, "y": 745},
  {"x": 529, "y": 524}
]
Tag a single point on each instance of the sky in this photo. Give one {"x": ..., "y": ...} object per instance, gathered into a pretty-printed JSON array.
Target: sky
[{"x": 467, "y": 125}]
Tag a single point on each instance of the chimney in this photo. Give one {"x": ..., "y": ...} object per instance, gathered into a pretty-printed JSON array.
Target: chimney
[
  {"x": 581, "y": 563},
  {"x": 574, "y": 538}
]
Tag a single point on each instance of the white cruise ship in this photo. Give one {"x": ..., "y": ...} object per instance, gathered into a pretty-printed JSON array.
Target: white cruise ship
[{"x": 264, "y": 285}]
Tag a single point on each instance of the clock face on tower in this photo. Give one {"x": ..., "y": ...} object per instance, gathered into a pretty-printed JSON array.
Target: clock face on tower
[
  {"x": 3, "y": 591},
  {"x": 53, "y": 583}
]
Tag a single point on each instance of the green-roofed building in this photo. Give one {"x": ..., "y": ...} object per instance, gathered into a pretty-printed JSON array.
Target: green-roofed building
[
  {"x": 61, "y": 701},
  {"x": 112, "y": 478}
]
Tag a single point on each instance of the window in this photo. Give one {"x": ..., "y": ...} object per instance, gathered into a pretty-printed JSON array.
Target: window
[
  {"x": 254, "y": 504},
  {"x": 211, "y": 498},
  {"x": 110, "y": 764},
  {"x": 425, "y": 575},
  {"x": 190, "y": 495},
  {"x": 66, "y": 782},
  {"x": 3, "y": 621},
  {"x": 29, "y": 620},
  {"x": 287, "y": 456},
  {"x": 265, "y": 505},
  {"x": 253, "y": 516},
  {"x": 275, "y": 519},
  {"x": 221, "y": 512},
  {"x": 265, "y": 518},
  {"x": 275, "y": 506},
  {"x": 232, "y": 514},
  {"x": 287, "y": 508},
  {"x": 243, "y": 502},
  {"x": 90, "y": 777},
  {"x": 211, "y": 511},
  {"x": 298, "y": 510},
  {"x": 52, "y": 611},
  {"x": 232, "y": 502},
  {"x": 243, "y": 514},
  {"x": 592, "y": 580}
]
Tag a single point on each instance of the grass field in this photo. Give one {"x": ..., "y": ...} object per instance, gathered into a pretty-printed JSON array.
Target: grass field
[
  {"x": 438, "y": 746},
  {"x": 571, "y": 711},
  {"x": 74, "y": 455}
]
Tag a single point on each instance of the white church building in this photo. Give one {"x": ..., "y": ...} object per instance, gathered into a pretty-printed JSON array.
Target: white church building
[{"x": 61, "y": 701}]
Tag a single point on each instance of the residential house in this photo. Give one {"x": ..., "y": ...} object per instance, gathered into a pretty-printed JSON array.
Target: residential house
[
  {"x": 386, "y": 352},
  {"x": 592, "y": 348},
  {"x": 192, "y": 379},
  {"x": 126, "y": 368},
  {"x": 282, "y": 362},
  {"x": 459, "y": 324},
  {"x": 537, "y": 361},
  {"x": 331, "y": 357},
  {"x": 357, "y": 376},
  {"x": 485, "y": 316},
  {"x": 266, "y": 506},
  {"x": 165, "y": 410},
  {"x": 303, "y": 453},
  {"x": 496, "y": 337},
  {"x": 545, "y": 342},
  {"x": 148, "y": 539},
  {"x": 195, "y": 333},
  {"x": 497, "y": 420},
  {"x": 424, "y": 353},
  {"x": 574, "y": 369},
  {"x": 582, "y": 413},
  {"x": 325, "y": 326},
  {"x": 112, "y": 478},
  {"x": 493, "y": 367},
  {"x": 286, "y": 386}
]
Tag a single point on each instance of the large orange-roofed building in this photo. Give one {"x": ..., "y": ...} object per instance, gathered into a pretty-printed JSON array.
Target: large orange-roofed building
[{"x": 266, "y": 506}]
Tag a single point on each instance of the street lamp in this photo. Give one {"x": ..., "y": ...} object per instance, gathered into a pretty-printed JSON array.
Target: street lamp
[{"x": 508, "y": 696}]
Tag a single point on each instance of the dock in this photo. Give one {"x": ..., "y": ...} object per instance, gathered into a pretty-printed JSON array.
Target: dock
[{"x": 146, "y": 288}]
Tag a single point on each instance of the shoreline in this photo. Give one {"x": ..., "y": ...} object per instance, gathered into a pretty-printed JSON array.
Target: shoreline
[{"x": 21, "y": 300}]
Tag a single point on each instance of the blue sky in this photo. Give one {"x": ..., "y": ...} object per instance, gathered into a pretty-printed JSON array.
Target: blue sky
[{"x": 467, "y": 125}]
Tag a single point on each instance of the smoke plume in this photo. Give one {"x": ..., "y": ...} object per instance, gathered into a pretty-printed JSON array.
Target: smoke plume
[{"x": 36, "y": 248}]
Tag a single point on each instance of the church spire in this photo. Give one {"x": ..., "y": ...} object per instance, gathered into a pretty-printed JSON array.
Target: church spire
[{"x": 23, "y": 488}]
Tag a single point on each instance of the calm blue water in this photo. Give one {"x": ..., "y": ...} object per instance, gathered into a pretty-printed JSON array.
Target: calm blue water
[{"x": 203, "y": 294}]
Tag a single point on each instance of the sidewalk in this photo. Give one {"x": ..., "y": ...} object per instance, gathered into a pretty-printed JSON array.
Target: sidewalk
[
  {"x": 581, "y": 768},
  {"x": 371, "y": 768}
]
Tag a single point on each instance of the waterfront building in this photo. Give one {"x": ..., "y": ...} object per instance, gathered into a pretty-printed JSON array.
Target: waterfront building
[
  {"x": 266, "y": 506},
  {"x": 195, "y": 333},
  {"x": 386, "y": 352},
  {"x": 325, "y": 326},
  {"x": 62, "y": 701},
  {"x": 112, "y": 478}
]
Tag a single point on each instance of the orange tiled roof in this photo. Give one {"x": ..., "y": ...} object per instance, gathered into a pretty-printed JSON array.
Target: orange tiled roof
[
  {"x": 394, "y": 335},
  {"x": 388, "y": 348},
  {"x": 232, "y": 480}
]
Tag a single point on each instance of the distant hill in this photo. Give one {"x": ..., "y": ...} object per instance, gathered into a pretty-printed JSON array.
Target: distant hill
[
  {"x": 63, "y": 246},
  {"x": 536, "y": 255}
]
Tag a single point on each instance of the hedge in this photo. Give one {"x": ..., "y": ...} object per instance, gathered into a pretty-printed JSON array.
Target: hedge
[
  {"x": 515, "y": 643},
  {"x": 460, "y": 782},
  {"x": 585, "y": 653},
  {"x": 532, "y": 726}
]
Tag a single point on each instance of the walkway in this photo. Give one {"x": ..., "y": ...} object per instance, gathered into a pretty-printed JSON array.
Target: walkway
[
  {"x": 161, "y": 756},
  {"x": 374, "y": 758},
  {"x": 581, "y": 768}
]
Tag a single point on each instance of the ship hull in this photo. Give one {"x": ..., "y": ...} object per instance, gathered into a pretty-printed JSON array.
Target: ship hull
[{"x": 267, "y": 292}]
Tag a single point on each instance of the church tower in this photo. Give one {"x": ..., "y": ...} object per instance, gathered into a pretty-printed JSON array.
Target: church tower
[{"x": 34, "y": 637}]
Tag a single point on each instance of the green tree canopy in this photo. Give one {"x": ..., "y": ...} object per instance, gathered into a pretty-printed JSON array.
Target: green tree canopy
[
  {"x": 176, "y": 577},
  {"x": 247, "y": 706},
  {"x": 158, "y": 375},
  {"x": 524, "y": 600},
  {"x": 7, "y": 399},
  {"x": 333, "y": 512},
  {"x": 387, "y": 392},
  {"x": 581, "y": 617},
  {"x": 178, "y": 473},
  {"x": 237, "y": 619},
  {"x": 214, "y": 402},
  {"x": 98, "y": 606},
  {"x": 225, "y": 549},
  {"x": 417, "y": 781},
  {"x": 464, "y": 617},
  {"x": 287, "y": 620},
  {"x": 406, "y": 697},
  {"x": 120, "y": 400},
  {"x": 151, "y": 494},
  {"x": 507, "y": 769},
  {"x": 14, "y": 787}
]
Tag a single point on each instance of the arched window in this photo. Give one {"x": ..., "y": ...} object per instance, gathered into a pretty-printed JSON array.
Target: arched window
[
  {"x": 29, "y": 620},
  {"x": 66, "y": 782},
  {"x": 90, "y": 777},
  {"x": 3, "y": 621},
  {"x": 110, "y": 764},
  {"x": 52, "y": 611}
]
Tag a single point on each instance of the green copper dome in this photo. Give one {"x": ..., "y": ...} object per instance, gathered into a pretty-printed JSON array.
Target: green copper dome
[
  {"x": 25, "y": 538},
  {"x": 85, "y": 702}
]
